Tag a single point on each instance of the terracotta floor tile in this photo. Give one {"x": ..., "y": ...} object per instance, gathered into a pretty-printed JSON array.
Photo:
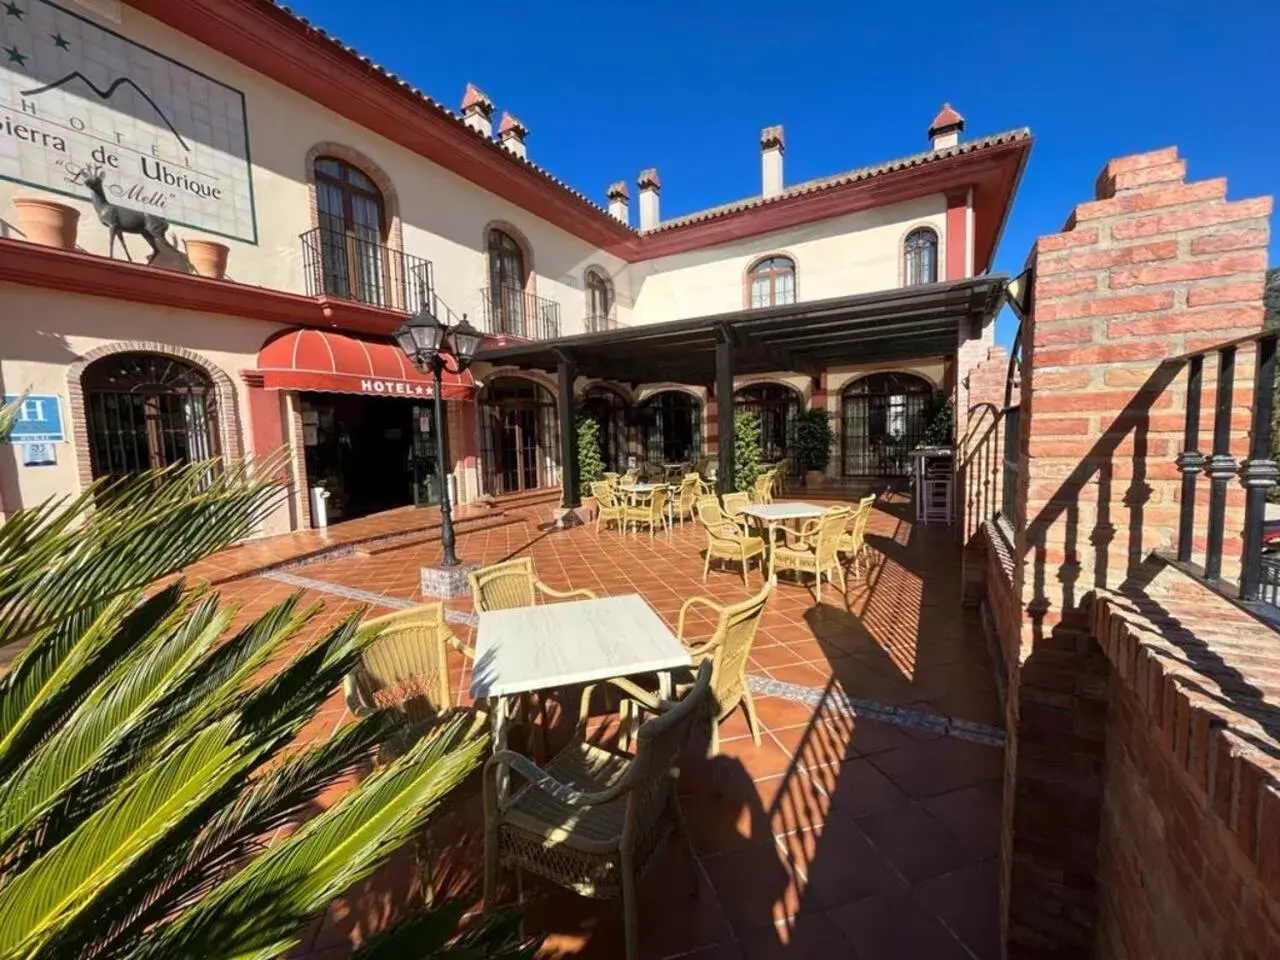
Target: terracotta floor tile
[
  {"x": 972, "y": 814},
  {"x": 811, "y": 937},
  {"x": 839, "y": 864},
  {"x": 968, "y": 901},
  {"x": 932, "y": 767},
  {"x": 895, "y": 928},
  {"x": 913, "y": 843},
  {"x": 776, "y": 713},
  {"x": 756, "y": 885}
]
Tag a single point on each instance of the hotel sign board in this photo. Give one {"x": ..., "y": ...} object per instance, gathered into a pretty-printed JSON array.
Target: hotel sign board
[{"x": 75, "y": 96}]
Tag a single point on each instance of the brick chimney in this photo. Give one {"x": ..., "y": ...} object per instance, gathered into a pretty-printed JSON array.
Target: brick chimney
[
  {"x": 772, "y": 145},
  {"x": 619, "y": 199},
  {"x": 946, "y": 127},
  {"x": 649, "y": 185},
  {"x": 477, "y": 111},
  {"x": 512, "y": 133}
]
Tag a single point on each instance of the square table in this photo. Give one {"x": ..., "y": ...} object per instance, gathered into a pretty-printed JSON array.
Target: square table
[
  {"x": 774, "y": 515},
  {"x": 525, "y": 649}
]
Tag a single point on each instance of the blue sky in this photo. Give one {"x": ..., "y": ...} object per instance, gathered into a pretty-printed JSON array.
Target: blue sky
[{"x": 609, "y": 89}]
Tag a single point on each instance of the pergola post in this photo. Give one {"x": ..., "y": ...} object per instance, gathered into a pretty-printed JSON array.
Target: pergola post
[
  {"x": 568, "y": 372},
  {"x": 724, "y": 409}
]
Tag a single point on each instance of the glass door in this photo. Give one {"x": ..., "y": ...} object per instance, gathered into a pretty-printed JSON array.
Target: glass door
[{"x": 424, "y": 464}]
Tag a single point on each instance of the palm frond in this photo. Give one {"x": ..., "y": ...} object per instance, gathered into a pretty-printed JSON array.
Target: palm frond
[
  {"x": 119, "y": 537},
  {"x": 8, "y": 417},
  {"x": 62, "y": 885},
  {"x": 268, "y": 901},
  {"x": 233, "y": 834},
  {"x": 114, "y": 714},
  {"x": 63, "y": 662},
  {"x": 433, "y": 933}
]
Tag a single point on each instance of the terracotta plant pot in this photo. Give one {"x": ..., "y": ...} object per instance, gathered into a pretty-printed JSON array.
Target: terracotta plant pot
[
  {"x": 47, "y": 222},
  {"x": 814, "y": 479},
  {"x": 208, "y": 257}
]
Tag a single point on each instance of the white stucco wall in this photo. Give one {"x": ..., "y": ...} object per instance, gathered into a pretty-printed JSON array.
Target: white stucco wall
[
  {"x": 443, "y": 215},
  {"x": 855, "y": 253},
  {"x": 45, "y": 332}
]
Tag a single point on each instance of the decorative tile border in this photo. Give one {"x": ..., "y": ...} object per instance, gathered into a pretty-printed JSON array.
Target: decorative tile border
[
  {"x": 819, "y": 698},
  {"x": 464, "y": 617}
]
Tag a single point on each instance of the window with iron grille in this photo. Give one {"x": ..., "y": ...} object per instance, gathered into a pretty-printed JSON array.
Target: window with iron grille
[
  {"x": 146, "y": 411},
  {"x": 882, "y": 421},
  {"x": 920, "y": 257}
]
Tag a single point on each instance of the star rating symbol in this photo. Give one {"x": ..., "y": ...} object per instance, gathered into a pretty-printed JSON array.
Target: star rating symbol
[
  {"x": 11, "y": 9},
  {"x": 15, "y": 57},
  {"x": 61, "y": 42}
]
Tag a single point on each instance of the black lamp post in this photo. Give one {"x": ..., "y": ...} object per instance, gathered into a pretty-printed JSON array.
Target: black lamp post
[{"x": 424, "y": 338}]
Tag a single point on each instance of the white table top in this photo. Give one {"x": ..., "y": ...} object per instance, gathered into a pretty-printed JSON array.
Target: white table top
[
  {"x": 560, "y": 644},
  {"x": 783, "y": 511}
]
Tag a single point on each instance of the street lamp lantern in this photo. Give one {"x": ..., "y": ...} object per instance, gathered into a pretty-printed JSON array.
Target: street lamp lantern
[
  {"x": 423, "y": 339},
  {"x": 466, "y": 341}
]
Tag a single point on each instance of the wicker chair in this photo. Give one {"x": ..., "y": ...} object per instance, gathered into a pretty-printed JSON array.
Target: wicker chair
[
  {"x": 762, "y": 490},
  {"x": 728, "y": 649},
  {"x": 514, "y": 584},
  {"x": 780, "y": 470},
  {"x": 650, "y": 509},
  {"x": 608, "y": 508},
  {"x": 814, "y": 550},
  {"x": 853, "y": 541},
  {"x": 727, "y": 538},
  {"x": 735, "y": 503},
  {"x": 406, "y": 670},
  {"x": 594, "y": 821},
  {"x": 687, "y": 496},
  {"x": 628, "y": 478}
]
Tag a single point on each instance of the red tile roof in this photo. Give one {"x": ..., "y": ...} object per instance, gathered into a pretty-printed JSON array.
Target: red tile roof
[{"x": 946, "y": 118}]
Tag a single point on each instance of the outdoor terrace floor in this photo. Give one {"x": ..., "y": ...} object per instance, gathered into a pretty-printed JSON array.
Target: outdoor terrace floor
[{"x": 867, "y": 822}]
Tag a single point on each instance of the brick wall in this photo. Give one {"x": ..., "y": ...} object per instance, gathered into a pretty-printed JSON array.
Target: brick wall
[
  {"x": 1189, "y": 851},
  {"x": 1151, "y": 268}
]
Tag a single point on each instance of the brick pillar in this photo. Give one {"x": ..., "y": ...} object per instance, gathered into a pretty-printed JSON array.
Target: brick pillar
[
  {"x": 1150, "y": 269},
  {"x": 972, "y": 348},
  {"x": 711, "y": 423},
  {"x": 980, "y": 461}
]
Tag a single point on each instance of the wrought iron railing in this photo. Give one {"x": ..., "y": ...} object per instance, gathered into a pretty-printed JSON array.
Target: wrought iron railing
[
  {"x": 1012, "y": 423},
  {"x": 340, "y": 264},
  {"x": 598, "y": 324},
  {"x": 519, "y": 313},
  {"x": 1258, "y": 472}
]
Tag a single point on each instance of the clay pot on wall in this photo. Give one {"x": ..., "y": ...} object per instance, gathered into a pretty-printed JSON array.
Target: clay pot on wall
[
  {"x": 47, "y": 222},
  {"x": 208, "y": 257}
]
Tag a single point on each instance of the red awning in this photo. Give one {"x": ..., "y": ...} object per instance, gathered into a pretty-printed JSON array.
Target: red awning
[{"x": 344, "y": 363}]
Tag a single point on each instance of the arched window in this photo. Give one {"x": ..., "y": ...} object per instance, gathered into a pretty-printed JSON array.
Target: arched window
[
  {"x": 146, "y": 411},
  {"x": 599, "y": 302},
  {"x": 506, "y": 302},
  {"x": 773, "y": 282},
  {"x": 611, "y": 412},
  {"x": 352, "y": 229},
  {"x": 920, "y": 257},
  {"x": 777, "y": 406},
  {"x": 669, "y": 425},
  {"x": 519, "y": 435},
  {"x": 882, "y": 421}
]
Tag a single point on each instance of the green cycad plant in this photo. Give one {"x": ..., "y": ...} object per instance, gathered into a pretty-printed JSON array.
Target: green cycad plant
[{"x": 148, "y": 753}]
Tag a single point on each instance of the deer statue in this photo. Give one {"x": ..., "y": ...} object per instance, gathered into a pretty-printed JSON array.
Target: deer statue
[{"x": 122, "y": 220}]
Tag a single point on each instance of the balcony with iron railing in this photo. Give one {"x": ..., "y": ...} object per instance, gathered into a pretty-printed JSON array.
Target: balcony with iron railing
[
  {"x": 1259, "y": 581},
  {"x": 343, "y": 265},
  {"x": 518, "y": 313}
]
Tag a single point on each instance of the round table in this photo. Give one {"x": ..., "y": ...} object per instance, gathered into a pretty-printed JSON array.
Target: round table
[{"x": 773, "y": 515}]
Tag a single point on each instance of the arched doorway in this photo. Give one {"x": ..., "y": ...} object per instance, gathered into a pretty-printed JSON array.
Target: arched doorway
[
  {"x": 611, "y": 412},
  {"x": 670, "y": 427},
  {"x": 519, "y": 435},
  {"x": 882, "y": 420},
  {"x": 144, "y": 411},
  {"x": 777, "y": 406}
]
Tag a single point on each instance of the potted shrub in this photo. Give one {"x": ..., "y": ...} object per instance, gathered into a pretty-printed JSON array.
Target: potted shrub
[
  {"x": 810, "y": 445},
  {"x": 208, "y": 257},
  {"x": 590, "y": 462},
  {"x": 746, "y": 449},
  {"x": 47, "y": 222}
]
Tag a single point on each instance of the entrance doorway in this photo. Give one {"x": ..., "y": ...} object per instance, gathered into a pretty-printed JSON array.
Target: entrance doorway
[
  {"x": 370, "y": 453},
  {"x": 883, "y": 418},
  {"x": 520, "y": 435}
]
